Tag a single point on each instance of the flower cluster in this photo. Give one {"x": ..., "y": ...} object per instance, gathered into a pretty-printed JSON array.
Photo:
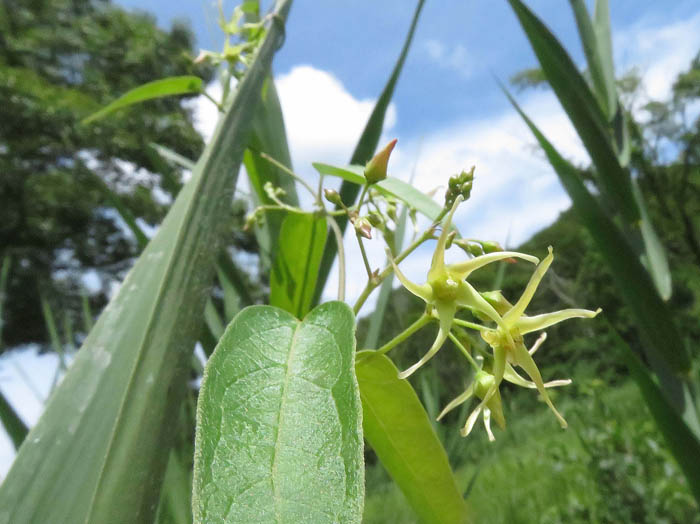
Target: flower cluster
[{"x": 447, "y": 290}]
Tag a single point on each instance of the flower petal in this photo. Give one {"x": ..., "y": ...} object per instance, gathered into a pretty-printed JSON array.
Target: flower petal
[
  {"x": 437, "y": 265},
  {"x": 469, "y": 297},
  {"x": 461, "y": 399},
  {"x": 487, "y": 425},
  {"x": 463, "y": 269},
  {"x": 514, "y": 377},
  {"x": 525, "y": 361},
  {"x": 524, "y": 300},
  {"x": 471, "y": 420},
  {"x": 529, "y": 324},
  {"x": 423, "y": 291},
  {"x": 446, "y": 312}
]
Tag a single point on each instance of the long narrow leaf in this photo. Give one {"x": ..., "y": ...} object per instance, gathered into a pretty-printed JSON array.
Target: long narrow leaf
[
  {"x": 653, "y": 318},
  {"x": 603, "y": 86},
  {"x": 582, "y": 108},
  {"x": 98, "y": 453},
  {"x": 14, "y": 426},
  {"x": 398, "y": 429},
  {"x": 601, "y": 28},
  {"x": 269, "y": 137},
  {"x": 364, "y": 150},
  {"x": 175, "y": 85}
]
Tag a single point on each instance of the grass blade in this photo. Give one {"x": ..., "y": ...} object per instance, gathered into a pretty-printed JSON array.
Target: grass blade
[
  {"x": 364, "y": 150},
  {"x": 175, "y": 85},
  {"x": 14, "y": 426},
  {"x": 99, "y": 451},
  {"x": 599, "y": 66},
  {"x": 269, "y": 137},
  {"x": 398, "y": 429},
  {"x": 582, "y": 108}
]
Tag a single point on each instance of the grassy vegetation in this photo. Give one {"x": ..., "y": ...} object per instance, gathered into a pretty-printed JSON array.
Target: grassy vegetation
[{"x": 609, "y": 466}]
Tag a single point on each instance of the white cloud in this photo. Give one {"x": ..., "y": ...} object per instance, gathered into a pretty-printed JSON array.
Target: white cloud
[
  {"x": 660, "y": 52},
  {"x": 455, "y": 59}
]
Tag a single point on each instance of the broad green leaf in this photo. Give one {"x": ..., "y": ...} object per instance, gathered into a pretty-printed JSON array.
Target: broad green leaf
[
  {"x": 398, "y": 429},
  {"x": 599, "y": 66},
  {"x": 667, "y": 353},
  {"x": 175, "y": 85},
  {"x": 364, "y": 150},
  {"x": 99, "y": 451},
  {"x": 175, "y": 503},
  {"x": 389, "y": 186},
  {"x": 279, "y": 435},
  {"x": 293, "y": 279},
  {"x": 269, "y": 137},
  {"x": 655, "y": 254},
  {"x": 582, "y": 108}
]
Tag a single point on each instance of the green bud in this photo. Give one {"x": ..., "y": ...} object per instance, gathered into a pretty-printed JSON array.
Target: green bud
[
  {"x": 491, "y": 247},
  {"x": 460, "y": 184},
  {"x": 332, "y": 196},
  {"x": 375, "y": 170},
  {"x": 375, "y": 219}
]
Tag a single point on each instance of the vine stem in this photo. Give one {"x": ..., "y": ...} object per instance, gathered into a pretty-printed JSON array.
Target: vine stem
[
  {"x": 341, "y": 257},
  {"x": 464, "y": 352},
  {"x": 373, "y": 283},
  {"x": 291, "y": 173},
  {"x": 410, "y": 330}
]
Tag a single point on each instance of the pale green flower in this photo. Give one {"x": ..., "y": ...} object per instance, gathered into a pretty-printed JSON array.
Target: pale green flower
[
  {"x": 506, "y": 339},
  {"x": 446, "y": 288}
]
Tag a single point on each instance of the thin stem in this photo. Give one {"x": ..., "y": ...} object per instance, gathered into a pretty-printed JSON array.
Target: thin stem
[
  {"x": 362, "y": 197},
  {"x": 471, "y": 325},
  {"x": 291, "y": 173},
  {"x": 341, "y": 257},
  {"x": 464, "y": 352},
  {"x": 410, "y": 330},
  {"x": 213, "y": 100},
  {"x": 373, "y": 283},
  {"x": 283, "y": 207},
  {"x": 364, "y": 255}
]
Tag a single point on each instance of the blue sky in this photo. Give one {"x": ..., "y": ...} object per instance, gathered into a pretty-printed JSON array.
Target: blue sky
[{"x": 447, "y": 113}]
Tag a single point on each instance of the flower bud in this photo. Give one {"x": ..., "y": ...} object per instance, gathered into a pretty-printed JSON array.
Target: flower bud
[
  {"x": 375, "y": 170},
  {"x": 460, "y": 184},
  {"x": 363, "y": 227},
  {"x": 491, "y": 247},
  {"x": 375, "y": 219},
  {"x": 332, "y": 196}
]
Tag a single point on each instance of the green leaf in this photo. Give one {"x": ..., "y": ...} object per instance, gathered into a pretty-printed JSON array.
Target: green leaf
[
  {"x": 655, "y": 254},
  {"x": 174, "y": 85},
  {"x": 279, "y": 434},
  {"x": 364, "y": 150},
  {"x": 601, "y": 28},
  {"x": 658, "y": 333},
  {"x": 293, "y": 277},
  {"x": 599, "y": 66},
  {"x": 172, "y": 156},
  {"x": 269, "y": 137},
  {"x": 398, "y": 429},
  {"x": 389, "y": 186},
  {"x": 14, "y": 426},
  {"x": 99, "y": 451},
  {"x": 582, "y": 108}
]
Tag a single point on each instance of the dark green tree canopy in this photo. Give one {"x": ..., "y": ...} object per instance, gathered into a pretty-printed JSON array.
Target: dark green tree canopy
[{"x": 61, "y": 60}]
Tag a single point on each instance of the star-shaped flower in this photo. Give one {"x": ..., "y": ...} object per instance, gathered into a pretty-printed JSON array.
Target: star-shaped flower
[
  {"x": 483, "y": 382},
  {"x": 446, "y": 289},
  {"x": 506, "y": 339}
]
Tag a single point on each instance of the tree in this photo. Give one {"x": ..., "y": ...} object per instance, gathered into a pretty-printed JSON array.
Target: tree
[{"x": 60, "y": 60}]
